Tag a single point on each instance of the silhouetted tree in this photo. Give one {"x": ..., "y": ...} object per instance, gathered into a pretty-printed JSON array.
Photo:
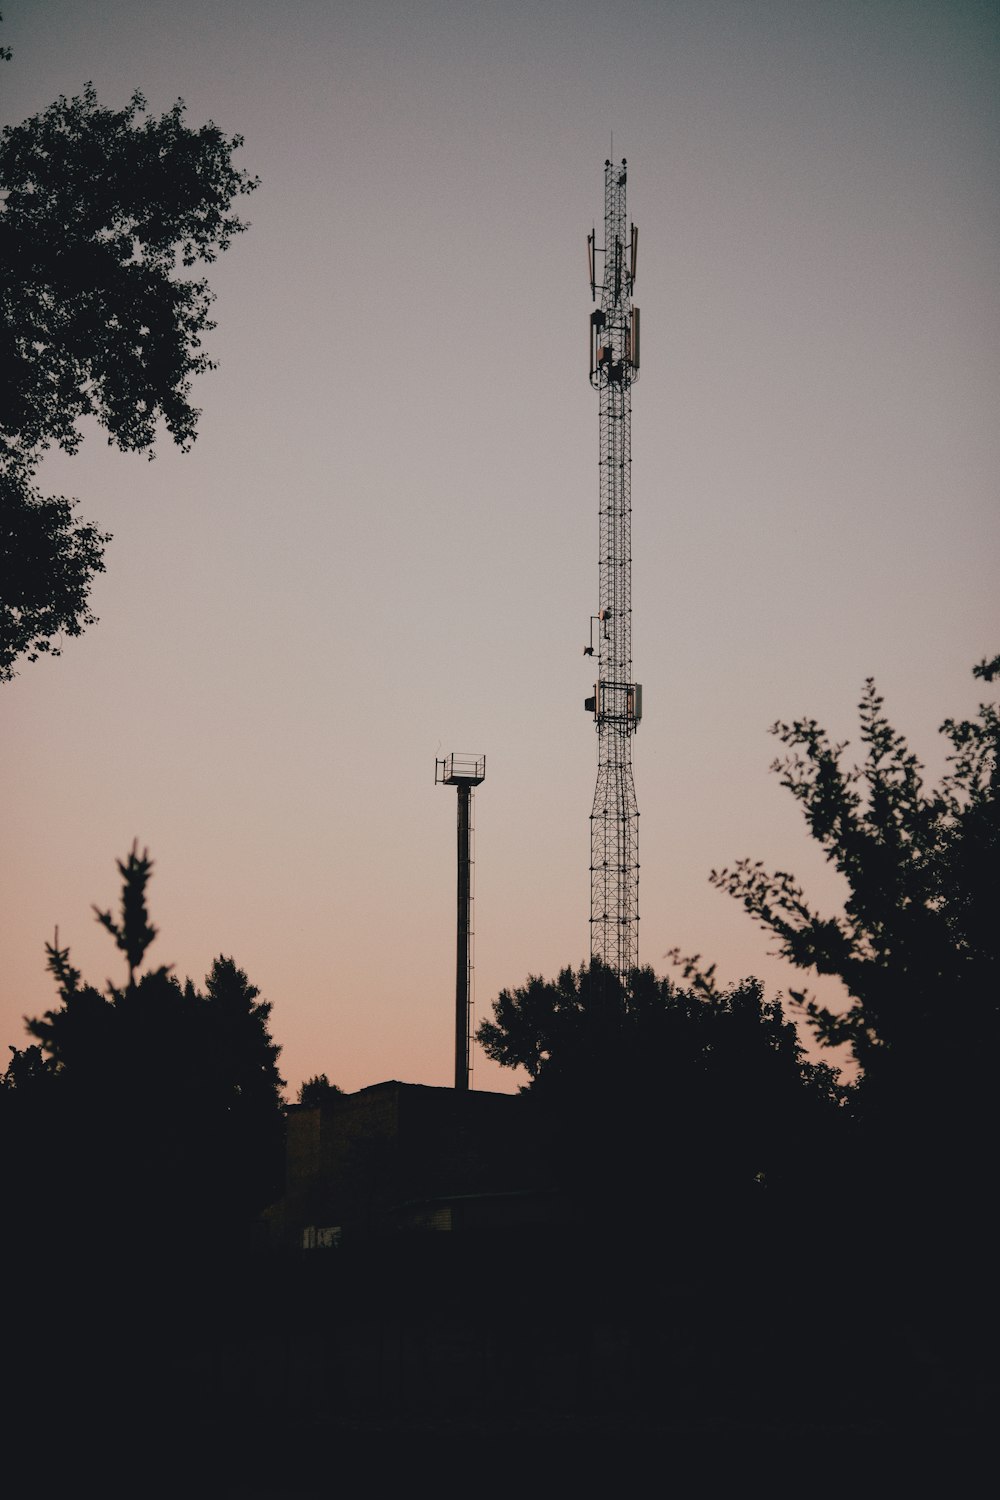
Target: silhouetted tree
[
  {"x": 918, "y": 943},
  {"x": 917, "y": 946},
  {"x": 168, "y": 1099},
  {"x": 30, "y": 1110},
  {"x": 139, "y": 1137},
  {"x": 318, "y": 1090},
  {"x": 101, "y": 213},
  {"x": 135, "y": 933},
  {"x": 48, "y": 560},
  {"x": 686, "y": 1092}
]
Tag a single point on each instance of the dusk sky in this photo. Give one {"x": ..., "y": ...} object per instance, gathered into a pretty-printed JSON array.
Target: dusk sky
[{"x": 383, "y": 546}]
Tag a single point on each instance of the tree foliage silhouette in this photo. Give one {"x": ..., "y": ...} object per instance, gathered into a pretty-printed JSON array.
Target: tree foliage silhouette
[
  {"x": 134, "y": 935},
  {"x": 48, "y": 560},
  {"x": 163, "y": 1102},
  {"x": 715, "y": 1083},
  {"x": 140, "y": 1134},
  {"x": 104, "y": 213},
  {"x": 918, "y": 943},
  {"x": 318, "y": 1090},
  {"x": 917, "y": 946}
]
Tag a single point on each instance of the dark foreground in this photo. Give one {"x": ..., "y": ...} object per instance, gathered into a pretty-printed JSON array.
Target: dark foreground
[{"x": 541, "y": 1360}]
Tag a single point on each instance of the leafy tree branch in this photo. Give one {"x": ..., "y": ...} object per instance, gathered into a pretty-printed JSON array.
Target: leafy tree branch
[
  {"x": 103, "y": 215},
  {"x": 917, "y": 943}
]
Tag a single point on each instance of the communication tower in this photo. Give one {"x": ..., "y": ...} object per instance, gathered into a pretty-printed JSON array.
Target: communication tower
[
  {"x": 463, "y": 772},
  {"x": 617, "y": 701}
]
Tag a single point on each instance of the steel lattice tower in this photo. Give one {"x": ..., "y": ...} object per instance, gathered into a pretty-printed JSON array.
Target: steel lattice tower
[{"x": 617, "y": 701}]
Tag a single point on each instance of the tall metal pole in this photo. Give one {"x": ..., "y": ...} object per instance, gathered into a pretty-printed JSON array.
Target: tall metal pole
[
  {"x": 462, "y": 974},
  {"x": 463, "y": 772},
  {"x": 617, "y": 701}
]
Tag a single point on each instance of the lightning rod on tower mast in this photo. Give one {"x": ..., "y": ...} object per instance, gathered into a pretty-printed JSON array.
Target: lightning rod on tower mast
[{"x": 617, "y": 702}]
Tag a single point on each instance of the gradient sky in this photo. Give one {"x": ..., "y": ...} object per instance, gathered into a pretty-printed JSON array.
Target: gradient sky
[{"x": 383, "y": 546}]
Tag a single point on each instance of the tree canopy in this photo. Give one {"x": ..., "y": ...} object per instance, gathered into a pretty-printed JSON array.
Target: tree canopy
[
  {"x": 917, "y": 944},
  {"x": 48, "y": 560},
  {"x": 104, "y": 213},
  {"x": 711, "y": 1085},
  {"x": 100, "y": 206},
  {"x": 160, "y": 1102},
  {"x": 318, "y": 1090}
]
